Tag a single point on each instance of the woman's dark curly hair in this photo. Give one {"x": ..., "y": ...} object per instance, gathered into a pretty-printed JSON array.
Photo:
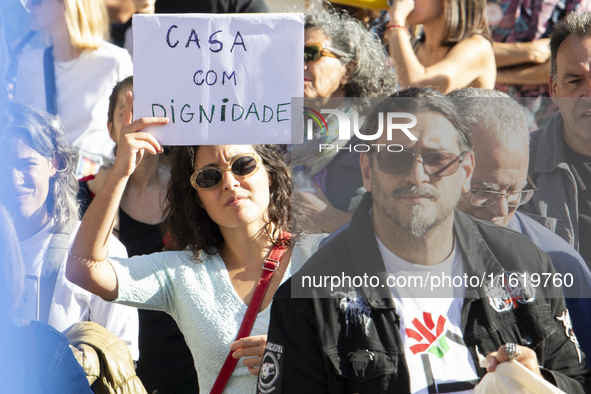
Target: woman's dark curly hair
[{"x": 189, "y": 225}]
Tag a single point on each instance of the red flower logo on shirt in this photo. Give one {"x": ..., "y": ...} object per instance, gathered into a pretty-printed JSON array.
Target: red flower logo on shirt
[{"x": 434, "y": 336}]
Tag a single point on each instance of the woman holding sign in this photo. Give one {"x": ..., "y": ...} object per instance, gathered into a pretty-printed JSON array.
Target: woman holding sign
[{"x": 228, "y": 214}]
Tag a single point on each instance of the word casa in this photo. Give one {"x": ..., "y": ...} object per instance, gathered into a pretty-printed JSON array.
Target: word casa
[{"x": 215, "y": 45}]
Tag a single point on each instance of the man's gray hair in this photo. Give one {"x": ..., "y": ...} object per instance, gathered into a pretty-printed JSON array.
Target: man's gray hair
[
  {"x": 575, "y": 24},
  {"x": 500, "y": 115},
  {"x": 45, "y": 134}
]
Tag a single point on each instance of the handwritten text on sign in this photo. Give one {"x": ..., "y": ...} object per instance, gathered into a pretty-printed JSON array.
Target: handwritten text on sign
[{"x": 220, "y": 79}]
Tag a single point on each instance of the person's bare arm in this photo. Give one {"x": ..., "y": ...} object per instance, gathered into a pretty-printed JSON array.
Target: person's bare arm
[
  {"x": 515, "y": 53},
  {"x": 463, "y": 64},
  {"x": 87, "y": 266},
  {"x": 532, "y": 74}
]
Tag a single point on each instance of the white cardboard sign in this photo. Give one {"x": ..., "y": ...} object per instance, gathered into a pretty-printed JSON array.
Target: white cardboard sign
[{"x": 220, "y": 79}]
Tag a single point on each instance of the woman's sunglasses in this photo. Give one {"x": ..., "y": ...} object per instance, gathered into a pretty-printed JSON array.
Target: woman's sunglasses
[
  {"x": 242, "y": 165},
  {"x": 315, "y": 50}
]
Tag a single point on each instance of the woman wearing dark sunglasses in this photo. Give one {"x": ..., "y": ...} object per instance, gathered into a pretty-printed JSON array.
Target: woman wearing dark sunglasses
[
  {"x": 227, "y": 206},
  {"x": 341, "y": 59},
  {"x": 453, "y": 49}
]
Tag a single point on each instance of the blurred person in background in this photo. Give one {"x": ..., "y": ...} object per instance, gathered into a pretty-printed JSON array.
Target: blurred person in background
[
  {"x": 120, "y": 13},
  {"x": 85, "y": 69},
  {"x": 166, "y": 364},
  {"x": 39, "y": 191},
  {"x": 342, "y": 59},
  {"x": 453, "y": 50},
  {"x": 35, "y": 357}
]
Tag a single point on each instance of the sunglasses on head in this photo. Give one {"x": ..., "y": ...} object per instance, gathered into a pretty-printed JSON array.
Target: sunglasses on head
[
  {"x": 242, "y": 166},
  {"x": 315, "y": 50},
  {"x": 434, "y": 163}
]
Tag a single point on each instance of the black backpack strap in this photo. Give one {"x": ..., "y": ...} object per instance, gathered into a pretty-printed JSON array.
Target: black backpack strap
[
  {"x": 49, "y": 73},
  {"x": 54, "y": 258}
]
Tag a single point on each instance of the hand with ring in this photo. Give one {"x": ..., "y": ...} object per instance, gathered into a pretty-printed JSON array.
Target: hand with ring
[{"x": 512, "y": 351}]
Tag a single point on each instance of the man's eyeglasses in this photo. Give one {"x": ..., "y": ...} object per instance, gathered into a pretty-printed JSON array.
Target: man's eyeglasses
[
  {"x": 315, "y": 50},
  {"x": 434, "y": 163},
  {"x": 209, "y": 177},
  {"x": 488, "y": 198}
]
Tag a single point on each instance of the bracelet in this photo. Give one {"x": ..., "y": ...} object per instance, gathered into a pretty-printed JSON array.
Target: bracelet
[
  {"x": 396, "y": 27},
  {"x": 87, "y": 262},
  {"x": 389, "y": 28}
]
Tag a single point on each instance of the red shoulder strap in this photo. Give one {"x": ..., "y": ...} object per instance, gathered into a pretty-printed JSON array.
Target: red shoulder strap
[{"x": 270, "y": 265}]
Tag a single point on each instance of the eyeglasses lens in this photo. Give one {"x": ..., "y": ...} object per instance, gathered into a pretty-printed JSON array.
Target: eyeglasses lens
[
  {"x": 208, "y": 178},
  {"x": 434, "y": 163},
  {"x": 311, "y": 53},
  {"x": 488, "y": 199},
  {"x": 244, "y": 165}
]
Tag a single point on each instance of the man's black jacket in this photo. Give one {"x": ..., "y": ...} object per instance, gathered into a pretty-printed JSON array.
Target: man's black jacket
[{"x": 312, "y": 343}]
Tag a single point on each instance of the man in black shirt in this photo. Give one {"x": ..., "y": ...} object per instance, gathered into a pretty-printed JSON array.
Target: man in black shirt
[{"x": 374, "y": 333}]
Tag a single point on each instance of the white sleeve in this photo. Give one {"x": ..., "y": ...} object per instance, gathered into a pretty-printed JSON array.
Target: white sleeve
[
  {"x": 146, "y": 282},
  {"x": 119, "y": 319}
]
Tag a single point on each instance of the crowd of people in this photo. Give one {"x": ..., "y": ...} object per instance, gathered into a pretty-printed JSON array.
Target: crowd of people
[{"x": 199, "y": 266}]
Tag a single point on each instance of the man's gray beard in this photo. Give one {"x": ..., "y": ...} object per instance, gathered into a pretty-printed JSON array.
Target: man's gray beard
[
  {"x": 414, "y": 222},
  {"x": 418, "y": 225}
]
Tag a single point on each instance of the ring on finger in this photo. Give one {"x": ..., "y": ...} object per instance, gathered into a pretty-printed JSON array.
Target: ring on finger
[{"x": 512, "y": 351}]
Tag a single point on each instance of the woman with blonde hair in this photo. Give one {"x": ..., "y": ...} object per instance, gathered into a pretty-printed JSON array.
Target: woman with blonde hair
[
  {"x": 452, "y": 50},
  {"x": 75, "y": 76}
]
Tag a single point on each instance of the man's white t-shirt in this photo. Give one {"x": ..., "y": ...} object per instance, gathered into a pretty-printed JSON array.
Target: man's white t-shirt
[
  {"x": 430, "y": 328},
  {"x": 72, "y": 304}
]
